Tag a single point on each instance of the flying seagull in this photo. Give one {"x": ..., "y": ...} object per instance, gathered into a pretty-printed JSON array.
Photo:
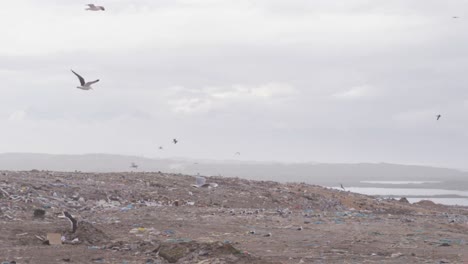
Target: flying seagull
[
  {"x": 92, "y": 7},
  {"x": 237, "y": 153},
  {"x": 438, "y": 117},
  {"x": 160, "y": 147},
  {"x": 134, "y": 166},
  {"x": 455, "y": 17},
  {"x": 84, "y": 85},
  {"x": 342, "y": 187},
  {"x": 175, "y": 141}
]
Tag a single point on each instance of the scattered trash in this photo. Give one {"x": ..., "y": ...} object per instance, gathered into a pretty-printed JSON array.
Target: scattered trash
[
  {"x": 200, "y": 182},
  {"x": 39, "y": 213},
  {"x": 140, "y": 230},
  {"x": 396, "y": 255},
  {"x": 126, "y": 208},
  {"x": 338, "y": 221},
  {"x": 178, "y": 240},
  {"x": 197, "y": 232},
  {"x": 94, "y": 247},
  {"x": 54, "y": 238},
  {"x": 169, "y": 232}
]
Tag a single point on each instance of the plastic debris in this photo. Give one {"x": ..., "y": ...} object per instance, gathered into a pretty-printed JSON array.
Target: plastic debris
[
  {"x": 126, "y": 208},
  {"x": 54, "y": 238}
]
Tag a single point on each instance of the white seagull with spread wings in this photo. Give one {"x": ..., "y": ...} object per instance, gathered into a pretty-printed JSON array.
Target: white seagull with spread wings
[
  {"x": 92, "y": 7},
  {"x": 84, "y": 85}
]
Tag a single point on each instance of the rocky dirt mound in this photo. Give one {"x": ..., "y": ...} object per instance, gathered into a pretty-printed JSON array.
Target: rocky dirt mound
[
  {"x": 162, "y": 218},
  {"x": 88, "y": 234},
  {"x": 194, "y": 252}
]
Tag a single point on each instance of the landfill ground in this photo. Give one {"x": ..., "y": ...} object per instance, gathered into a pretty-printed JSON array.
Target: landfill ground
[{"x": 161, "y": 218}]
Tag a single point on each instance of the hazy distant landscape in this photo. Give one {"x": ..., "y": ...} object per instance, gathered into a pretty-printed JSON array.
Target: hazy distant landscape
[
  {"x": 389, "y": 180},
  {"x": 359, "y": 175}
]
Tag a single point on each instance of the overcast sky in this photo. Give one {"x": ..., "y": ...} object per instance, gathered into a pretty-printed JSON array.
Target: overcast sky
[{"x": 282, "y": 80}]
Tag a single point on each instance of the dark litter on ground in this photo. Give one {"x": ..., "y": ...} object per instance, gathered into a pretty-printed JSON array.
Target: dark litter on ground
[{"x": 55, "y": 217}]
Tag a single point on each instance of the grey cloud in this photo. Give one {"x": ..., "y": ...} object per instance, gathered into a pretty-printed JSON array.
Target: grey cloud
[{"x": 367, "y": 79}]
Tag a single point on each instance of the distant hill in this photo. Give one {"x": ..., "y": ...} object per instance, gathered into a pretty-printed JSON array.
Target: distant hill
[{"x": 313, "y": 173}]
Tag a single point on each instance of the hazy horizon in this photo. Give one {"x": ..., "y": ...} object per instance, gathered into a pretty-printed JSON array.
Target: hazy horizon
[{"x": 233, "y": 160}]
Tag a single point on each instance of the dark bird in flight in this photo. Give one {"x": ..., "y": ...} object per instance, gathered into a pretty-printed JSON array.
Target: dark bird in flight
[
  {"x": 92, "y": 7},
  {"x": 342, "y": 187},
  {"x": 83, "y": 84},
  {"x": 134, "y": 166},
  {"x": 237, "y": 153},
  {"x": 175, "y": 141},
  {"x": 438, "y": 117},
  {"x": 160, "y": 147},
  {"x": 454, "y": 17}
]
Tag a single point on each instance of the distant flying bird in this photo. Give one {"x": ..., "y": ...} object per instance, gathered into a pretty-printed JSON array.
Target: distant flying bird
[
  {"x": 134, "y": 166},
  {"x": 160, "y": 147},
  {"x": 175, "y": 141},
  {"x": 438, "y": 117},
  {"x": 342, "y": 187},
  {"x": 455, "y": 17},
  {"x": 237, "y": 153},
  {"x": 92, "y": 7},
  {"x": 84, "y": 85}
]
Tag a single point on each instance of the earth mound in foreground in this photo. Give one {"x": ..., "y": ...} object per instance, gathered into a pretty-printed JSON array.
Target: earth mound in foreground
[{"x": 163, "y": 218}]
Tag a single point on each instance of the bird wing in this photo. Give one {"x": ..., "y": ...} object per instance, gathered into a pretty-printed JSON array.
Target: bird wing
[
  {"x": 82, "y": 81},
  {"x": 90, "y": 83},
  {"x": 102, "y": 8},
  {"x": 91, "y": 5}
]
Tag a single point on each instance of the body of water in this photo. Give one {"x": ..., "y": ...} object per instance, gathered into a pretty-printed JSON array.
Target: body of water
[
  {"x": 412, "y": 193},
  {"x": 400, "y": 182}
]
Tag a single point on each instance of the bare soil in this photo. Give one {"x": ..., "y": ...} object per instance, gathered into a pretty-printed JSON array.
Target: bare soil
[{"x": 161, "y": 218}]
